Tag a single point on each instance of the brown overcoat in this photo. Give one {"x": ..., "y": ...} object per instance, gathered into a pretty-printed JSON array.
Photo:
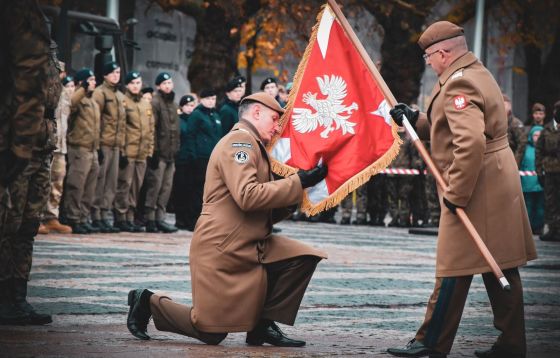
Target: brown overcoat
[
  {"x": 467, "y": 123},
  {"x": 232, "y": 238}
]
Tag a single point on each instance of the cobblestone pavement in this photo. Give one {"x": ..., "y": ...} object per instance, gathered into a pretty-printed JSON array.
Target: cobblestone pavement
[{"x": 369, "y": 295}]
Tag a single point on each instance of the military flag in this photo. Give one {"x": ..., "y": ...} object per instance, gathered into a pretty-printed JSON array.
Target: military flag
[{"x": 336, "y": 114}]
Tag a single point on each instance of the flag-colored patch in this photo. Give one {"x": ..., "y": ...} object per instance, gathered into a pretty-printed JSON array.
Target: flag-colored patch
[{"x": 459, "y": 102}]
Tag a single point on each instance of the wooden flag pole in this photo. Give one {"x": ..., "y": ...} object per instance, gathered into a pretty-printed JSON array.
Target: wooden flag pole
[{"x": 419, "y": 145}]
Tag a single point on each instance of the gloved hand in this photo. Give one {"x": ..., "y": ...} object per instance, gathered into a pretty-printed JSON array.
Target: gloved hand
[
  {"x": 452, "y": 207},
  {"x": 401, "y": 110},
  {"x": 85, "y": 84},
  {"x": 123, "y": 161},
  {"x": 10, "y": 167},
  {"x": 153, "y": 161},
  {"x": 100, "y": 156},
  {"x": 311, "y": 177}
]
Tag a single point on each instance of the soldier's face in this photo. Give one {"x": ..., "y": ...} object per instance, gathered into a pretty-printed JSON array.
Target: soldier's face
[
  {"x": 208, "y": 102},
  {"x": 189, "y": 107},
  {"x": 91, "y": 83},
  {"x": 70, "y": 87},
  {"x": 435, "y": 58},
  {"x": 271, "y": 89},
  {"x": 114, "y": 77},
  {"x": 236, "y": 94},
  {"x": 166, "y": 86},
  {"x": 147, "y": 97},
  {"x": 135, "y": 85},
  {"x": 266, "y": 122},
  {"x": 538, "y": 117}
]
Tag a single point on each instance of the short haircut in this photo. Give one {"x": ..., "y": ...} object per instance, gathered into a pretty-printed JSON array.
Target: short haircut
[{"x": 245, "y": 106}]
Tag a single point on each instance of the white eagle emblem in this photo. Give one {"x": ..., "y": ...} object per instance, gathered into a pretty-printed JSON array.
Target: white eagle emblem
[{"x": 327, "y": 110}]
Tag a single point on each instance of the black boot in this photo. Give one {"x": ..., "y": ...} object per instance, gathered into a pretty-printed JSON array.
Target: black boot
[
  {"x": 267, "y": 331},
  {"x": 134, "y": 227},
  {"x": 20, "y": 298},
  {"x": 9, "y": 313},
  {"x": 496, "y": 352},
  {"x": 78, "y": 228},
  {"x": 165, "y": 227},
  {"x": 123, "y": 226},
  {"x": 139, "y": 313},
  {"x": 90, "y": 228},
  {"x": 151, "y": 226},
  {"x": 109, "y": 228}
]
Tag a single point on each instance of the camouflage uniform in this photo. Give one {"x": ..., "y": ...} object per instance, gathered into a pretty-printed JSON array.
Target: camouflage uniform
[
  {"x": 517, "y": 137},
  {"x": 418, "y": 201},
  {"x": 399, "y": 186},
  {"x": 377, "y": 199},
  {"x": 548, "y": 169},
  {"x": 361, "y": 207}
]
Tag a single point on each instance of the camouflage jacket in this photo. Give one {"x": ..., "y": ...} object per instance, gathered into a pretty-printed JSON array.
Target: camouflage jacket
[
  {"x": 517, "y": 137},
  {"x": 548, "y": 150}
]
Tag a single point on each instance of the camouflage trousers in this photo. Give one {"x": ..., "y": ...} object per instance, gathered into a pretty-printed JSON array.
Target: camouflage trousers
[
  {"x": 58, "y": 172},
  {"x": 20, "y": 212},
  {"x": 432, "y": 199},
  {"x": 418, "y": 205},
  {"x": 377, "y": 198},
  {"x": 552, "y": 201},
  {"x": 399, "y": 189},
  {"x": 361, "y": 204}
]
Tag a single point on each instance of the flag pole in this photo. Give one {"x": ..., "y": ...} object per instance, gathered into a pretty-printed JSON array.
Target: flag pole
[{"x": 419, "y": 145}]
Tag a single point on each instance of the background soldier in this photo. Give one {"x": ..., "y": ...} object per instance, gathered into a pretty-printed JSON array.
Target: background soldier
[
  {"x": 112, "y": 105},
  {"x": 58, "y": 166},
  {"x": 548, "y": 170},
  {"x": 29, "y": 97},
  {"x": 235, "y": 89},
  {"x": 377, "y": 199},
  {"x": 159, "y": 179},
  {"x": 361, "y": 207},
  {"x": 139, "y": 145},
  {"x": 83, "y": 145},
  {"x": 399, "y": 186},
  {"x": 270, "y": 86},
  {"x": 516, "y": 132}
]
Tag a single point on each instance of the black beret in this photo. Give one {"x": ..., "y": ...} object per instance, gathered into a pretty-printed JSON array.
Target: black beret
[
  {"x": 164, "y": 76},
  {"x": 207, "y": 92},
  {"x": 132, "y": 75},
  {"x": 186, "y": 99},
  {"x": 83, "y": 74},
  {"x": 147, "y": 90},
  {"x": 66, "y": 80},
  {"x": 234, "y": 83},
  {"x": 268, "y": 80},
  {"x": 109, "y": 67}
]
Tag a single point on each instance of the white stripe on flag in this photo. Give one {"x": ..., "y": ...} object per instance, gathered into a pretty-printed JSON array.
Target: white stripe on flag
[
  {"x": 318, "y": 192},
  {"x": 324, "y": 31},
  {"x": 281, "y": 150}
]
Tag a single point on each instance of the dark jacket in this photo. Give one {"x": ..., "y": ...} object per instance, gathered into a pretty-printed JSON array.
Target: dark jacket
[
  {"x": 548, "y": 150},
  {"x": 166, "y": 117},
  {"x": 229, "y": 115},
  {"x": 204, "y": 130},
  {"x": 183, "y": 157}
]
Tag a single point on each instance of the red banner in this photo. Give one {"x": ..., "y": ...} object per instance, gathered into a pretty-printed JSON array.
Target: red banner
[{"x": 336, "y": 115}]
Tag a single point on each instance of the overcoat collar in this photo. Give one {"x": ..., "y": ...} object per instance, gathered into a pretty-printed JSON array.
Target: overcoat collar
[{"x": 249, "y": 127}]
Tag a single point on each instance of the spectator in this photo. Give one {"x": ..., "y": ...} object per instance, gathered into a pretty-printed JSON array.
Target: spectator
[
  {"x": 532, "y": 191},
  {"x": 228, "y": 110}
]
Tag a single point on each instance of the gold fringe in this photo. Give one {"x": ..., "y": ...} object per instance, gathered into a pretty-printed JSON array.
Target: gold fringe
[{"x": 351, "y": 184}]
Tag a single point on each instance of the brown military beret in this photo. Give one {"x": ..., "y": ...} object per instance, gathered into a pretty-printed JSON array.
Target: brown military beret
[
  {"x": 266, "y": 99},
  {"x": 538, "y": 107},
  {"x": 439, "y": 31}
]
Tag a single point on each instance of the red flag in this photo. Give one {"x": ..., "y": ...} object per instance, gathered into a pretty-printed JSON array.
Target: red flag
[{"x": 336, "y": 115}]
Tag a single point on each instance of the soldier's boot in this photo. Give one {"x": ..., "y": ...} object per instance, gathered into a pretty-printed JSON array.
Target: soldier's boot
[
  {"x": 135, "y": 228},
  {"x": 99, "y": 225},
  {"x": 165, "y": 227},
  {"x": 78, "y": 228},
  {"x": 56, "y": 226},
  {"x": 110, "y": 228},
  {"x": 43, "y": 230},
  {"x": 90, "y": 228},
  {"x": 124, "y": 226},
  {"x": 345, "y": 221},
  {"x": 139, "y": 313},
  {"x": 9, "y": 313},
  {"x": 20, "y": 301},
  {"x": 552, "y": 235},
  {"x": 151, "y": 226}
]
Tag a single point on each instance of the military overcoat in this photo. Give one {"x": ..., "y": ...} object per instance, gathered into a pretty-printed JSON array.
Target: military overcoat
[
  {"x": 232, "y": 238},
  {"x": 467, "y": 123}
]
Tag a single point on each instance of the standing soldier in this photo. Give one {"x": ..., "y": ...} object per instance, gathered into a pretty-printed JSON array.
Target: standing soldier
[
  {"x": 399, "y": 186},
  {"x": 112, "y": 105},
  {"x": 270, "y": 86},
  {"x": 516, "y": 132},
  {"x": 30, "y": 94},
  {"x": 159, "y": 178},
  {"x": 183, "y": 180},
  {"x": 139, "y": 146},
  {"x": 548, "y": 170},
  {"x": 467, "y": 125},
  {"x": 235, "y": 89},
  {"x": 58, "y": 166},
  {"x": 361, "y": 207},
  {"x": 83, "y": 146},
  {"x": 377, "y": 199},
  {"x": 204, "y": 130}
]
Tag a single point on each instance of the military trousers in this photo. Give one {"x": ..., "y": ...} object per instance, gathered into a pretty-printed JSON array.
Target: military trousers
[
  {"x": 128, "y": 188},
  {"x": 287, "y": 282},
  {"x": 159, "y": 183},
  {"x": 361, "y": 204},
  {"x": 446, "y": 304},
  {"x": 106, "y": 188},
  {"x": 377, "y": 198},
  {"x": 81, "y": 180},
  {"x": 58, "y": 172},
  {"x": 399, "y": 188},
  {"x": 20, "y": 212},
  {"x": 552, "y": 201}
]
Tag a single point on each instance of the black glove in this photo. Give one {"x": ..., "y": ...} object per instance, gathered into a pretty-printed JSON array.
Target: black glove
[
  {"x": 311, "y": 177},
  {"x": 10, "y": 167},
  {"x": 401, "y": 110},
  {"x": 452, "y": 207},
  {"x": 123, "y": 161},
  {"x": 153, "y": 161},
  {"x": 85, "y": 84},
  {"x": 100, "y": 156}
]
